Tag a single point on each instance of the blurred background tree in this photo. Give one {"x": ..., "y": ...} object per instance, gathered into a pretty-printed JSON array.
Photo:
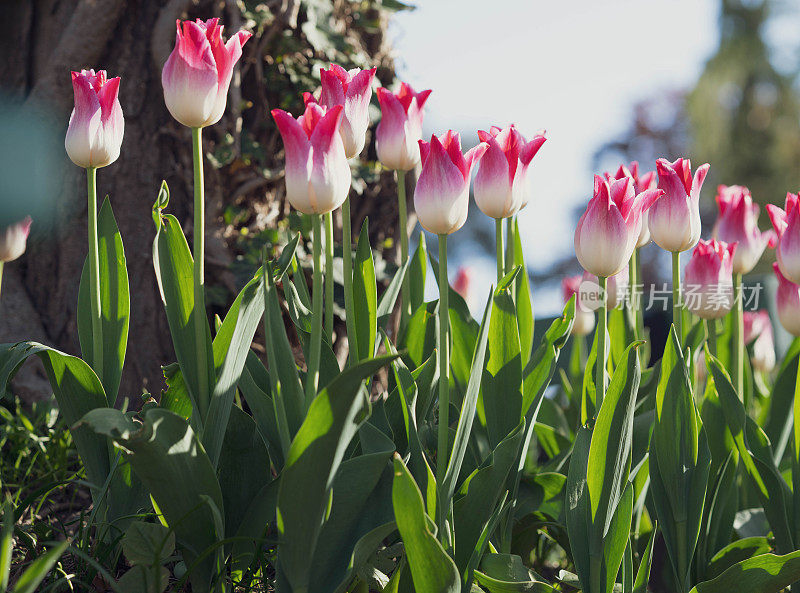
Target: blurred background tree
[{"x": 45, "y": 39}]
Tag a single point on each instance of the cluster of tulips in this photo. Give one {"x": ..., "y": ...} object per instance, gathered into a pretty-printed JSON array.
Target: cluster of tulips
[{"x": 302, "y": 476}]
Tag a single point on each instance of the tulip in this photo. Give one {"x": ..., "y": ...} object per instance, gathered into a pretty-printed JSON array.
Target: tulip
[
  {"x": 500, "y": 184},
  {"x": 317, "y": 171},
  {"x": 758, "y": 329},
  {"x": 787, "y": 228},
  {"x": 616, "y": 290},
  {"x": 442, "y": 195},
  {"x": 607, "y": 232},
  {"x": 584, "y": 316},
  {"x": 738, "y": 223},
  {"x": 96, "y": 125},
  {"x": 198, "y": 72},
  {"x": 787, "y": 300},
  {"x": 463, "y": 281},
  {"x": 400, "y": 128},
  {"x": 708, "y": 279},
  {"x": 352, "y": 89},
  {"x": 641, "y": 183},
  {"x": 675, "y": 218},
  {"x": 13, "y": 240}
]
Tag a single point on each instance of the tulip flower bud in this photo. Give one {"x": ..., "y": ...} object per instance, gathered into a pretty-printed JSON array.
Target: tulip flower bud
[
  {"x": 738, "y": 223},
  {"x": 352, "y": 89},
  {"x": 198, "y": 72},
  {"x": 609, "y": 229},
  {"x": 583, "y": 323},
  {"x": 640, "y": 183},
  {"x": 787, "y": 229},
  {"x": 463, "y": 281},
  {"x": 317, "y": 171},
  {"x": 674, "y": 219},
  {"x": 787, "y": 300},
  {"x": 400, "y": 129},
  {"x": 501, "y": 182},
  {"x": 441, "y": 198},
  {"x": 758, "y": 329},
  {"x": 616, "y": 289},
  {"x": 13, "y": 240},
  {"x": 708, "y": 280},
  {"x": 96, "y": 126}
]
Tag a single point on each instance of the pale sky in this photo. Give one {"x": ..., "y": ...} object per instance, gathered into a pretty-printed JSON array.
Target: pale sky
[{"x": 573, "y": 67}]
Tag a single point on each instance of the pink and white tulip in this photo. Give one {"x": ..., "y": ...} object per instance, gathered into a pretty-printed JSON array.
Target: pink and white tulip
[
  {"x": 787, "y": 300},
  {"x": 13, "y": 239},
  {"x": 441, "y": 198},
  {"x": 674, "y": 219},
  {"x": 96, "y": 126},
  {"x": 463, "y": 281},
  {"x": 787, "y": 228},
  {"x": 708, "y": 279},
  {"x": 400, "y": 129},
  {"x": 758, "y": 329},
  {"x": 609, "y": 229},
  {"x": 641, "y": 183},
  {"x": 501, "y": 182},
  {"x": 197, "y": 74},
  {"x": 738, "y": 223},
  {"x": 352, "y": 89},
  {"x": 616, "y": 289},
  {"x": 317, "y": 171},
  {"x": 584, "y": 316}
]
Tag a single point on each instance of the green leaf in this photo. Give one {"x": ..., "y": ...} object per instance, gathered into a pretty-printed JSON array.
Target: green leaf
[
  {"x": 679, "y": 461},
  {"x": 501, "y": 388},
  {"x": 505, "y": 573},
  {"x": 115, "y": 305},
  {"x": 431, "y": 568},
  {"x": 522, "y": 299},
  {"x": 312, "y": 462},
  {"x": 365, "y": 295},
  {"x": 37, "y": 571},
  {"x": 171, "y": 463},
  {"x": 6, "y": 544},
  {"x": 763, "y": 574},
  {"x": 148, "y": 544},
  {"x": 174, "y": 267},
  {"x": 143, "y": 580},
  {"x": 742, "y": 549},
  {"x": 387, "y": 302},
  {"x": 419, "y": 338},
  {"x": 417, "y": 271},
  {"x": 578, "y": 511},
  {"x": 643, "y": 573},
  {"x": 231, "y": 347}
]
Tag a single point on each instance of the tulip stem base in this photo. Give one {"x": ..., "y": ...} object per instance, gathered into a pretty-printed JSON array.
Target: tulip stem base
[
  {"x": 676, "y": 294},
  {"x": 711, "y": 330},
  {"x": 602, "y": 346},
  {"x": 198, "y": 246},
  {"x": 402, "y": 210},
  {"x": 347, "y": 272},
  {"x": 498, "y": 239},
  {"x": 738, "y": 337},
  {"x": 329, "y": 277},
  {"x": 94, "y": 275},
  {"x": 444, "y": 376},
  {"x": 314, "y": 347}
]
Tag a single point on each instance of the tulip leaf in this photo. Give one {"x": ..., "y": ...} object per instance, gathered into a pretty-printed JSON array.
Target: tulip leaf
[
  {"x": 505, "y": 573},
  {"x": 742, "y": 549},
  {"x": 365, "y": 295},
  {"x": 174, "y": 267},
  {"x": 312, "y": 463},
  {"x": 431, "y": 568},
  {"x": 387, "y": 302},
  {"x": 29, "y": 581},
  {"x": 171, "y": 463},
  {"x": 115, "y": 305},
  {"x": 766, "y": 573},
  {"x": 522, "y": 299},
  {"x": 417, "y": 272}
]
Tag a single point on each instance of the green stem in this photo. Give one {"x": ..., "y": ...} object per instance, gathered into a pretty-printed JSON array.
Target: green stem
[
  {"x": 2, "y": 265},
  {"x": 511, "y": 244},
  {"x": 498, "y": 240},
  {"x": 711, "y": 330},
  {"x": 402, "y": 208},
  {"x": 444, "y": 374},
  {"x": 347, "y": 271},
  {"x": 602, "y": 355},
  {"x": 329, "y": 277},
  {"x": 312, "y": 376},
  {"x": 200, "y": 321},
  {"x": 94, "y": 275},
  {"x": 676, "y": 293},
  {"x": 635, "y": 275},
  {"x": 796, "y": 460},
  {"x": 738, "y": 336}
]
